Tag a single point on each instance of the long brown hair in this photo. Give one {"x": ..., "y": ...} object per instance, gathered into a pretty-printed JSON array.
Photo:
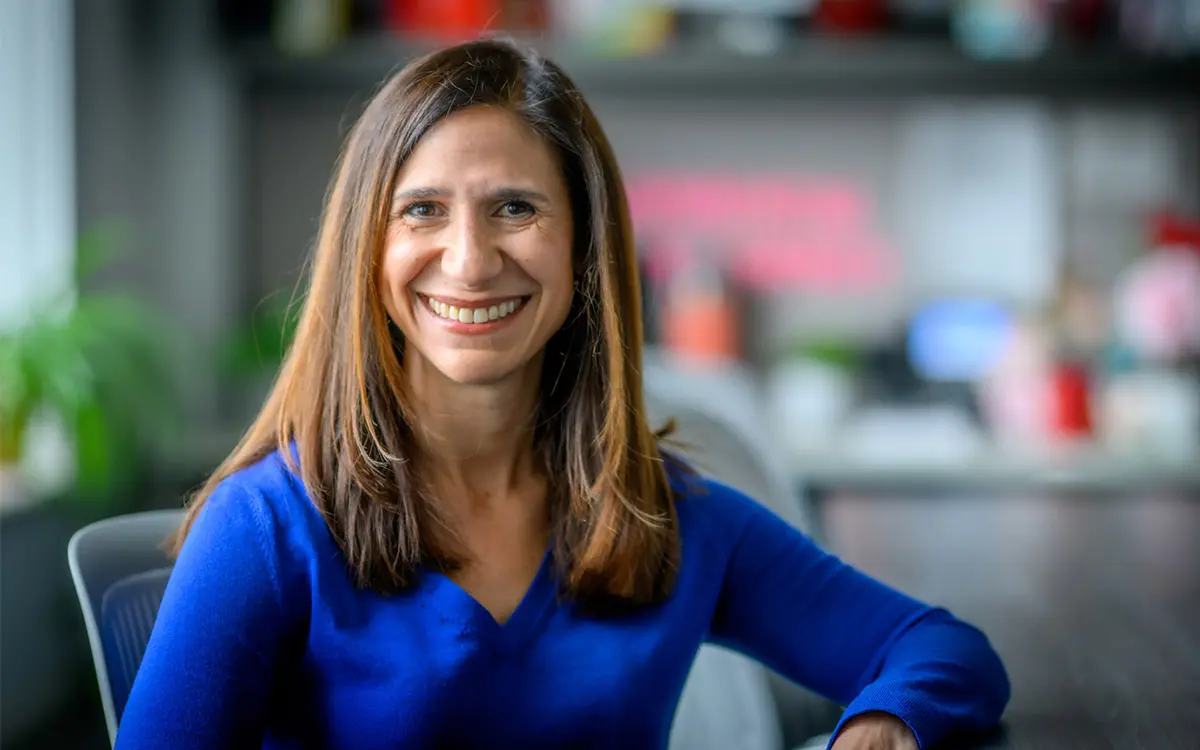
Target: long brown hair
[{"x": 340, "y": 398}]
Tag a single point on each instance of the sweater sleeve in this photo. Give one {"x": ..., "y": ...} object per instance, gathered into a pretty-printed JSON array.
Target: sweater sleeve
[
  {"x": 827, "y": 626},
  {"x": 206, "y": 677}
]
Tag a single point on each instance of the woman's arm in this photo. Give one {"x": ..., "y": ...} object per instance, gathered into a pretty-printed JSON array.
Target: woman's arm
[
  {"x": 852, "y": 639},
  {"x": 206, "y": 677}
]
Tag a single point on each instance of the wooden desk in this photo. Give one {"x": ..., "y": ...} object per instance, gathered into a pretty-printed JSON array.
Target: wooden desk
[
  {"x": 1082, "y": 468},
  {"x": 1093, "y": 603}
]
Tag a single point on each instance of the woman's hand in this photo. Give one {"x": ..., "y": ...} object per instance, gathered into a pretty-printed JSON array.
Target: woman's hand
[{"x": 875, "y": 731}]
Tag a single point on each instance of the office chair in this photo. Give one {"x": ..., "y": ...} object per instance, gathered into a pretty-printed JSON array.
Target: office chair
[
  {"x": 120, "y": 570},
  {"x": 718, "y": 420}
]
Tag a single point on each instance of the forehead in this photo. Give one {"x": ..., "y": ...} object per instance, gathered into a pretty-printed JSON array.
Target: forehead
[{"x": 479, "y": 143}]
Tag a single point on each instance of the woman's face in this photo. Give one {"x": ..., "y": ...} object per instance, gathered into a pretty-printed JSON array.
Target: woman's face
[{"x": 477, "y": 269}]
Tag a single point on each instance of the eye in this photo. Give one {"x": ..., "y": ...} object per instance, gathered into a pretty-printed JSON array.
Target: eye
[
  {"x": 421, "y": 210},
  {"x": 516, "y": 209}
]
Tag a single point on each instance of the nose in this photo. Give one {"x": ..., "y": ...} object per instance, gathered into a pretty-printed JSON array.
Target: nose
[{"x": 473, "y": 257}]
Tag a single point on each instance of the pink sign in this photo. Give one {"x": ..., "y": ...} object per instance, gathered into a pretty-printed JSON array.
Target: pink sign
[{"x": 770, "y": 232}]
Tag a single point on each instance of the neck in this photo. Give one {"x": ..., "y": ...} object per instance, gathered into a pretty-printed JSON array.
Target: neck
[{"x": 476, "y": 441}]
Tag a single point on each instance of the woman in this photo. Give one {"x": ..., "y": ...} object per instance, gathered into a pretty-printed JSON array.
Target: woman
[{"x": 451, "y": 525}]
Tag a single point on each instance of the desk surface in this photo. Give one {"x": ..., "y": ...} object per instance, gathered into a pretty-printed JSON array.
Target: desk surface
[
  {"x": 1065, "y": 469},
  {"x": 1094, "y": 605}
]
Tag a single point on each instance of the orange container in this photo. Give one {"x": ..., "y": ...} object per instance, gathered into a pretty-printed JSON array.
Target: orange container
[{"x": 702, "y": 327}]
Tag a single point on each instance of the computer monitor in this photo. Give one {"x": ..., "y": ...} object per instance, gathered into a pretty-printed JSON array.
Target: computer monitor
[{"x": 957, "y": 340}]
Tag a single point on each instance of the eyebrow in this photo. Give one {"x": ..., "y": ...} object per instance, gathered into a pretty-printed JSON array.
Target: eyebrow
[
  {"x": 421, "y": 193},
  {"x": 520, "y": 194},
  {"x": 504, "y": 193}
]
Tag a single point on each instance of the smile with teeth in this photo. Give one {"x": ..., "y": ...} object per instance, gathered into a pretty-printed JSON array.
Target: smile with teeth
[{"x": 474, "y": 314}]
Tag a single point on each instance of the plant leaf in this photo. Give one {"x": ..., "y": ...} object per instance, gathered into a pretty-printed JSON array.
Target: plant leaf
[
  {"x": 260, "y": 346},
  {"x": 129, "y": 349},
  {"x": 98, "y": 247},
  {"x": 94, "y": 459}
]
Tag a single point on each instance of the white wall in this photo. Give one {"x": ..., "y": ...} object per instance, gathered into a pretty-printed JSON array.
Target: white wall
[
  {"x": 37, "y": 235},
  {"x": 37, "y": 193}
]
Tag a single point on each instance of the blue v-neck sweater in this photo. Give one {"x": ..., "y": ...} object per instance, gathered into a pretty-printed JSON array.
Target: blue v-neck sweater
[{"x": 263, "y": 641}]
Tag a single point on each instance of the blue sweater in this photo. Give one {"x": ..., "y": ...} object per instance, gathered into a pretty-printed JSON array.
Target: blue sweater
[{"x": 263, "y": 641}]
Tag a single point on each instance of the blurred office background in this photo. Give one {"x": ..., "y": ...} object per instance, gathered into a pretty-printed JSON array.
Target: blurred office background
[{"x": 937, "y": 248}]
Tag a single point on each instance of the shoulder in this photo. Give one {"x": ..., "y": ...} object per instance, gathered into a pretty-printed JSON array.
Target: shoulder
[
  {"x": 271, "y": 492},
  {"x": 270, "y": 477},
  {"x": 713, "y": 511},
  {"x": 261, "y": 517}
]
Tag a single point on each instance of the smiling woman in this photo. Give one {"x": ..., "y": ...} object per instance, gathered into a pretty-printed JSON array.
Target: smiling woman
[
  {"x": 506, "y": 198},
  {"x": 452, "y": 525}
]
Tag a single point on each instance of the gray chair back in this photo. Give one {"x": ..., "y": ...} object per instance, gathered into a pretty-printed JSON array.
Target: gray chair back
[
  {"x": 714, "y": 448},
  {"x": 120, "y": 569},
  {"x": 720, "y": 424},
  {"x": 721, "y": 417}
]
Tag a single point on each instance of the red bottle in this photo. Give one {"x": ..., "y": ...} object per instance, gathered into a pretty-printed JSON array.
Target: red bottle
[
  {"x": 1171, "y": 230},
  {"x": 1082, "y": 19},
  {"x": 1072, "y": 402},
  {"x": 445, "y": 20},
  {"x": 850, "y": 16},
  {"x": 457, "y": 20}
]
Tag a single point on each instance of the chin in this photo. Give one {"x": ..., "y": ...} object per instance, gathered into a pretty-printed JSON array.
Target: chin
[{"x": 487, "y": 369}]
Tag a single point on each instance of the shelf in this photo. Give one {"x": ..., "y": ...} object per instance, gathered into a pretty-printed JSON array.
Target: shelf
[{"x": 815, "y": 68}]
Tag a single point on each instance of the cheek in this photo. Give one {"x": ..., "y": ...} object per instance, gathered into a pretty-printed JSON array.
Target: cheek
[
  {"x": 560, "y": 294},
  {"x": 397, "y": 269},
  {"x": 555, "y": 266}
]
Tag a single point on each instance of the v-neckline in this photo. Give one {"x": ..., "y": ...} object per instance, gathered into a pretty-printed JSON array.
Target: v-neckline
[{"x": 521, "y": 624}]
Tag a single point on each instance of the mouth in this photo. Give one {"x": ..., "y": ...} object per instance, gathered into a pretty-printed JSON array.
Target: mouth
[{"x": 473, "y": 317}]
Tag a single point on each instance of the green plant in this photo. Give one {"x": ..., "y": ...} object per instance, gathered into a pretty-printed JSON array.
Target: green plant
[
  {"x": 830, "y": 352},
  {"x": 97, "y": 362},
  {"x": 256, "y": 348}
]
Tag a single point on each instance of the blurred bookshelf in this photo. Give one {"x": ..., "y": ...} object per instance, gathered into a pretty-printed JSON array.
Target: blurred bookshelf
[{"x": 819, "y": 67}]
